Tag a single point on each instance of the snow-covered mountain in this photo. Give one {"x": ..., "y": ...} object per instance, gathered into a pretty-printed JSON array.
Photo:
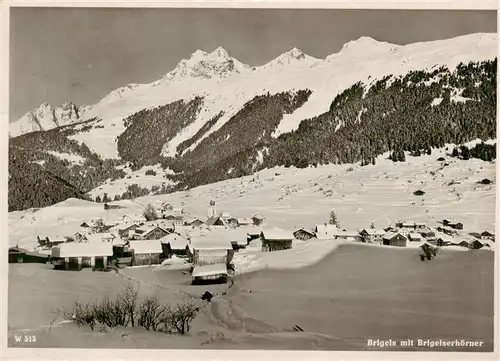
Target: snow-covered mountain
[
  {"x": 226, "y": 84},
  {"x": 213, "y": 117},
  {"x": 46, "y": 117}
]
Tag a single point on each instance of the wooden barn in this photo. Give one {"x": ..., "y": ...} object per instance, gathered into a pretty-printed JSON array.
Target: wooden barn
[
  {"x": 415, "y": 237},
  {"x": 252, "y": 233},
  {"x": 419, "y": 193},
  {"x": 174, "y": 244},
  {"x": 22, "y": 255},
  {"x": 276, "y": 239},
  {"x": 453, "y": 224},
  {"x": 211, "y": 248},
  {"x": 75, "y": 256},
  {"x": 122, "y": 254},
  {"x": 207, "y": 274},
  {"x": 303, "y": 234},
  {"x": 349, "y": 235},
  {"x": 245, "y": 222},
  {"x": 426, "y": 233},
  {"x": 196, "y": 222},
  {"x": 326, "y": 231},
  {"x": 394, "y": 239},
  {"x": 146, "y": 252}
]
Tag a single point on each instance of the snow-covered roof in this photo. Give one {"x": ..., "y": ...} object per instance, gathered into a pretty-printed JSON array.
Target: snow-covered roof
[
  {"x": 277, "y": 234},
  {"x": 99, "y": 237},
  {"x": 210, "y": 270},
  {"x": 122, "y": 226},
  {"x": 146, "y": 246},
  {"x": 118, "y": 242},
  {"x": 245, "y": 221},
  {"x": 391, "y": 235},
  {"x": 212, "y": 242},
  {"x": 415, "y": 235},
  {"x": 93, "y": 249},
  {"x": 327, "y": 228},
  {"x": 374, "y": 231},
  {"x": 348, "y": 233},
  {"x": 176, "y": 241}
]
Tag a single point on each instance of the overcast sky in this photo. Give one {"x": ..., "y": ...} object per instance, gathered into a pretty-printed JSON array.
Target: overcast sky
[{"x": 80, "y": 55}]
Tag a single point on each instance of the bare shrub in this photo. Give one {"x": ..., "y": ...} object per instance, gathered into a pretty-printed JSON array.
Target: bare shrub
[
  {"x": 179, "y": 318},
  {"x": 109, "y": 312},
  {"x": 81, "y": 314},
  {"x": 129, "y": 298},
  {"x": 151, "y": 314}
]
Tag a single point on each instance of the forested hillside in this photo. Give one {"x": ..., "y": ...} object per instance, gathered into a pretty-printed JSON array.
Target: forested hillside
[{"x": 412, "y": 113}]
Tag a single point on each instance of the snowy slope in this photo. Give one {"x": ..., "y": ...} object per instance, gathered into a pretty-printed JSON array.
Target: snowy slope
[
  {"x": 290, "y": 198},
  {"x": 226, "y": 84}
]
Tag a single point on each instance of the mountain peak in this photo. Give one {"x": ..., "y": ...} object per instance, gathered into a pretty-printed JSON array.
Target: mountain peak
[
  {"x": 292, "y": 56},
  {"x": 203, "y": 65},
  {"x": 367, "y": 44}
]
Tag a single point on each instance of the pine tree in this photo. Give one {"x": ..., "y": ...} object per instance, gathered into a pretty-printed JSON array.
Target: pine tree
[
  {"x": 333, "y": 218},
  {"x": 98, "y": 199},
  {"x": 105, "y": 199},
  {"x": 455, "y": 152}
]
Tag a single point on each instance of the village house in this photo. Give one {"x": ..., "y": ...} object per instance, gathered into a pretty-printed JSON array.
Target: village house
[
  {"x": 238, "y": 238},
  {"x": 441, "y": 242},
  {"x": 453, "y": 224},
  {"x": 123, "y": 229},
  {"x": 174, "y": 244},
  {"x": 196, "y": 222},
  {"x": 212, "y": 273},
  {"x": 276, "y": 239},
  {"x": 420, "y": 226},
  {"x": 349, "y": 235},
  {"x": 475, "y": 244},
  {"x": 447, "y": 230},
  {"x": 148, "y": 231},
  {"x": 303, "y": 234},
  {"x": 487, "y": 235},
  {"x": 99, "y": 237},
  {"x": 326, "y": 231},
  {"x": 395, "y": 239},
  {"x": 75, "y": 256},
  {"x": 415, "y": 237},
  {"x": 122, "y": 254},
  {"x": 22, "y": 255},
  {"x": 372, "y": 235},
  {"x": 258, "y": 219},
  {"x": 426, "y": 233},
  {"x": 245, "y": 222},
  {"x": 49, "y": 243},
  {"x": 252, "y": 233},
  {"x": 211, "y": 248},
  {"x": 146, "y": 252},
  {"x": 216, "y": 221}
]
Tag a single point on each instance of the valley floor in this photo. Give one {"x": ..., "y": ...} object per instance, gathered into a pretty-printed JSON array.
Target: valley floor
[{"x": 355, "y": 293}]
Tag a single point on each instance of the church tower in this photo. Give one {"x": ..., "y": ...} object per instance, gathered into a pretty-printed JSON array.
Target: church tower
[{"x": 211, "y": 210}]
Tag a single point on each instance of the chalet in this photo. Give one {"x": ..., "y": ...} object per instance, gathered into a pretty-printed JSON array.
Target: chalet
[
  {"x": 488, "y": 244},
  {"x": 326, "y": 231},
  {"x": 79, "y": 236},
  {"x": 212, "y": 273},
  {"x": 372, "y": 235},
  {"x": 453, "y": 224},
  {"x": 420, "y": 226},
  {"x": 475, "y": 244},
  {"x": 75, "y": 256},
  {"x": 123, "y": 229},
  {"x": 258, "y": 220},
  {"x": 415, "y": 237},
  {"x": 426, "y": 233},
  {"x": 85, "y": 225},
  {"x": 408, "y": 225},
  {"x": 276, "y": 240},
  {"x": 193, "y": 222},
  {"x": 174, "y": 244},
  {"x": 22, "y": 255},
  {"x": 178, "y": 221},
  {"x": 394, "y": 239},
  {"x": 349, "y": 235},
  {"x": 211, "y": 248},
  {"x": 487, "y": 235},
  {"x": 99, "y": 237},
  {"x": 441, "y": 242},
  {"x": 303, "y": 234},
  {"x": 419, "y": 193},
  {"x": 447, "y": 230},
  {"x": 149, "y": 232},
  {"x": 462, "y": 243},
  {"x": 146, "y": 252},
  {"x": 245, "y": 222},
  {"x": 215, "y": 221}
]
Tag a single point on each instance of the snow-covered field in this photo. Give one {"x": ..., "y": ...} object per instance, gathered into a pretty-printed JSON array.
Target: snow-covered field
[
  {"x": 290, "y": 197},
  {"x": 139, "y": 178}
]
